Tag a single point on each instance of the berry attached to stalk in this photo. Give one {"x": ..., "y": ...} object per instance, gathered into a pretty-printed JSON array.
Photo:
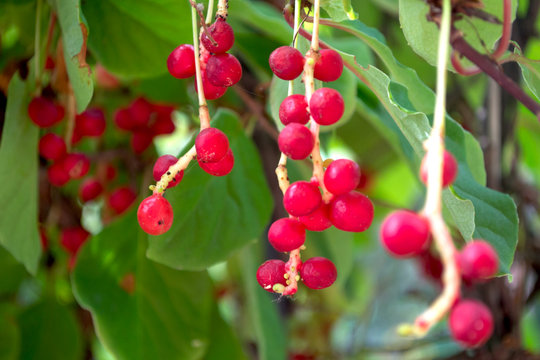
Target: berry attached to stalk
[
  {"x": 294, "y": 109},
  {"x": 90, "y": 189},
  {"x": 341, "y": 176},
  {"x": 270, "y": 273},
  {"x": 404, "y": 234},
  {"x": 45, "y": 113},
  {"x": 326, "y": 106},
  {"x": 287, "y": 234},
  {"x": 181, "y": 62},
  {"x": 76, "y": 165},
  {"x": 318, "y": 273},
  {"x": 450, "y": 169},
  {"x": 223, "y": 70},
  {"x": 302, "y": 198},
  {"x": 211, "y": 145},
  {"x": 52, "y": 147},
  {"x": 223, "y": 35},
  {"x": 352, "y": 211},
  {"x": 318, "y": 220},
  {"x": 329, "y": 66},
  {"x": 478, "y": 261},
  {"x": 296, "y": 141},
  {"x": 155, "y": 215},
  {"x": 90, "y": 123},
  {"x": 286, "y": 62},
  {"x": 121, "y": 199},
  {"x": 471, "y": 323},
  {"x": 162, "y": 165},
  {"x": 221, "y": 167}
]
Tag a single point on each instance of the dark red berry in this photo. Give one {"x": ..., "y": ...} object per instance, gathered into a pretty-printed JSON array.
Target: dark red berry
[
  {"x": 211, "y": 92},
  {"x": 211, "y": 145},
  {"x": 49, "y": 63},
  {"x": 352, "y": 211},
  {"x": 122, "y": 119},
  {"x": 404, "y": 234},
  {"x": 431, "y": 266},
  {"x": 121, "y": 199},
  {"x": 140, "y": 111},
  {"x": 302, "y": 198},
  {"x": 471, "y": 323},
  {"x": 294, "y": 109},
  {"x": 90, "y": 123},
  {"x": 287, "y": 234},
  {"x": 52, "y": 147},
  {"x": 221, "y": 167},
  {"x": 223, "y": 35},
  {"x": 326, "y": 106},
  {"x": 450, "y": 168},
  {"x": 296, "y": 141},
  {"x": 43, "y": 239},
  {"x": 44, "y": 112},
  {"x": 181, "y": 62},
  {"x": 57, "y": 175},
  {"x": 141, "y": 140},
  {"x": 155, "y": 215},
  {"x": 341, "y": 176},
  {"x": 73, "y": 238},
  {"x": 223, "y": 70},
  {"x": 286, "y": 62},
  {"x": 318, "y": 273},
  {"x": 318, "y": 220},
  {"x": 162, "y": 127},
  {"x": 76, "y": 165},
  {"x": 110, "y": 172},
  {"x": 478, "y": 261},
  {"x": 90, "y": 189},
  {"x": 271, "y": 272},
  {"x": 162, "y": 166},
  {"x": 329, "y": 66}
]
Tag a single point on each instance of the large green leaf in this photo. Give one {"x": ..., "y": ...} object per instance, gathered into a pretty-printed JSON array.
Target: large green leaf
[
  {"x": 141, "y": 310},
  {"x": 339, "y": 10},
  {"x": 10, "y": 335},
  {"x": 223, "y": 342},
  {"x": 215, "y": 216},
  {"x": 11, "y": 273},
  {"x": 18, "y": 176}
]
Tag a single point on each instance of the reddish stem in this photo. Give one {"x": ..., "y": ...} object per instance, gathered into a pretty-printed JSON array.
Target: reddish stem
[{"x": 506, "y": 31}]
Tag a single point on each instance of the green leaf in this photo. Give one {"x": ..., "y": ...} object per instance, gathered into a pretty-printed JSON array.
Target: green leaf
[
  {"x": 339, "y": 10},
  {"x": 530, "y": 70},
  {"x": 11, "y": 273},
  {"x": 223, "y": 342},
  {"x": 141, "y": 310},
  {"x": 50, "y": 331},
  {"x": 215, "y": 216},
  {"x": 18, "y": 176},
  {"x": 10, "y": 336}
]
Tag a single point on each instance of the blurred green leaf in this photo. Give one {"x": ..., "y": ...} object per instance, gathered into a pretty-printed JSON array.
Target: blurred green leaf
[
  {"x": 530, "y": 327},
  {"x": 339, "y": 10},
  {"x": 530, "y": 70},
  {"x": 11, "y": 273},
  {"x": 223, "y": 343},
  {"x": 10, "y": 336}
]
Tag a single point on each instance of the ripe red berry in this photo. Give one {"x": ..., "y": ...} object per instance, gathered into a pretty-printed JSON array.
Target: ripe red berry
[
  {"x": 57, "y": 175},
  {"x": 223, "y": 35},
  {"x": 352, "y": 211},
  {"x": 296, "y": 141},
  {"x": 155, "y": 215},
  {"x": 121, "y": 199},
  {"x": 211, "y": 92},
  {"x": 478, "y": 261},
  {"x": 44, "y": 112},
  {"x": 326, "y": 106},
  {"x": 162, "y": 166},
  {"x": 141, "y": 140},
  {"x": 140, "y": 111},
  {"x": 271, "y": 272},
  {"x": 329, "y": 66},
  {"x": 90, "y": 189},
  {"x": 76, "y": 165},
  {"x": 450, "y": 168},
  {"x": 302, "y": 198},
  {"x": 294, "y": 109},
  {"x": 318, "y": 273},
  {"x": 162, "y": 126},
  {"x": 49, "y": 63},
  {"x": 221, "y": 167},
  {"x": 318, "y": 220},
  {"x": 211, "y": 145},
  {"x": 430, "y": 266},
  {"x": 43, "y": 239},
  {"x": 181, "y": 62},
  {"x": 404, "y": 234},
  {"x": 287, "y": 234},
  {"x": 73, "y": 238},
  {"x": 90, "y": 123},
  {"x": 223, "y": 70},
  {"x": 341, "y": 176},
  {"x": 122, "y": 119},
  {"x": 52, "y": 147},
  {"x": 286, "y": 62},
  {"x": 471, "y": 323}
]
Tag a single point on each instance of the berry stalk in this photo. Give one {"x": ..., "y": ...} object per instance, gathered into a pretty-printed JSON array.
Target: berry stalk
[
  {"x": 173, "y": 170},
  {"x": 204, "y": 115},
  {"x": 222, "y": 9}
]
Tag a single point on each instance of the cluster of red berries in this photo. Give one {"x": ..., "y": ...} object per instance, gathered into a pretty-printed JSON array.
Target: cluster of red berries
[{"x": 219, "y": 70}]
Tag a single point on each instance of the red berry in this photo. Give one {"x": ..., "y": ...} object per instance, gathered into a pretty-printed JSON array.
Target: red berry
[
  {"x": 318, "y": 273},
  {"x": 181, "y": 62},
  {"x": 110, "y": 172},
  {"x": 91, "y": 123},
  {"x": 471, "y": 323},
  {"x": 211, "y": 92},
  {"x": 318, "y": 220},
  {"x": 90, "y": 189},
  {"x": 72, "y": 239},
  {"x": 122, "y": 119},
  {"x": 326, "y": 106},
  {"x": 430, "y": 266},
  {"x": 45, "y": 113},
  {"x": 52, "y": 147},
  {"x": 141, "y": 140},
  {"x": 76, "y": 165},
  {"x": 155, "y": 215},
  {"x": 49, "y": 63},
  {"x": 162, "y": 166},
  {"x": 450, "y": 168},
  {"x": 43, "y": 239},
  {"x": 296, "y": 141},
  {"x": 223, "y": 35},
  {"x": 287, "y": 234},
  {"x": 342, "y": 176},
  {"x": 478, "y": 261},
  {"x": 211, "y": 145},
  {"x": 221, "y": 167},
  {"x": 57, "y": 175},
  {"x": 404, "y": 234},
  {"x": 302, "y": 198},
  {"x": 140, "y": 111},
  {"x": 223, "y": 70},
  {"x": 329, "y": 66},
  {"x": 294, "y": 109},
  {"x": 286, "y": 62},
  {"x": 352, "y": 211},
  {"x": 162, "y": 126},
  {"x": 271, "y": 272},
  {"x": 121, "y": 199}
]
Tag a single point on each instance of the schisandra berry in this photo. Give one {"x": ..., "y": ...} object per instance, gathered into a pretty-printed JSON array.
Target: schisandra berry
[
  {"x": 57, "y": 175},
  {"x": 471, "y": 323},
  {"x": 329, "y": 66},
  {"x": 352, "y": 211},
  {"x": 223, "y": 70},
  {"x": 73, "y": 238},
  {"x": 162, "y": 126},
  {"x": 90, "y": 123},
  {"x": 44, "y": 112},
  {"x": 430, "y": 266},
  {"x": 141, "y": 140},
  {"x": 478, "y": 261},
  {"x": 302, "y": 198},
  {"x": 287, "y": 234},
  {"x": 181, "y": 62},
  {"x": 221, "y": 167},
  {"x": 223, "y": 35},
  {"x": 450, "y": 168},
  {"x": 162, "y": 166},
  {"x": 326, "y": 106},
  {"x": 52, "y": 147},
  {"x": 341, "y": 176},
  {"x": 211, "y": 92},
  {"x": 270, "y": 273},
  {"x": 294, "y": 109},
  {"x": 318, "y": 220},
  {"x": 318, "y": 273},
  {"x": 404, "y": 234},
  {"x": 155, "y": 215},
  {"x": 211, "y": 145},
  {"x": 122, "y": 119},
  {"x": 121, "y": 199},
  {"x": 76, "y": 165},
  {"x": 296, "y": 141},
  {"x": 286, "y": 62},
  {"x": 140, "y": 110},
  {"x": 90, "y": 189}
]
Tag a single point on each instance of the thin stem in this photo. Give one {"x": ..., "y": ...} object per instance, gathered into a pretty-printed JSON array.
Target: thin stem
[
  {"x": 173, "y": 170},
  {"x": 37, "y": 58},
  {"x": 316, "y": 16},
  {"x": 506, "y": 31},
  {"x": 456, "y": 63},
  {"x": 281, "y": 173},
  {"x": 222, "y": 9},
  {"x": 297, "y": 4},
  {"x": 209, "y": 11},
  {"x": 71, "y": 113},
  {"x": 204, "y": 116}
]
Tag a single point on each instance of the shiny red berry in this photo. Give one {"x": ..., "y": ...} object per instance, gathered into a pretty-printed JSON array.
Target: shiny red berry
[
  {"x": 326, "y": 106},
  {"x": 211, "y": 92},
  {"x": 76, "y": 165},
  {"x": 52, "y": 147},
  {"x": 123, "y": 120},
  {"x": 341, "y": 176},
  {"x": 294, "y": 109},
  {"x": 287, "y": 234},
  {"x": 302, "y": 198},
  {"x": 286, "y": 62},
  {"x": 57, "y": 175},
  {"x": 296, "y": 141},
  {"x": 121, "y": 199},
  {"x": 450, "y": 169},
  {"x": 211, "y": 145},
  {"x": 221, "y": 167},
  {"x": 162, "y": 166},
  {"x": 44, "y": 112},
  {"x": 318, "y": 273},
  {"x": 155, "y": 215},
  {"x": 223, "y": 70},
  {"x": 404, "y": 234},
  {"x": 223, "y": 35},
  {"x": 318, "y": 220},
  {"x": 73, "y": 238},
  {"x": 478, "y": 261},
  {"x": 471, "y": 323},
  {"x": 352, "y": 211},
  {"x": 140, "y": 111},
  {"x": 141, "y": 140},
  {"x": 91, "y": 123},
  {"x": 271, "y": 272},
  {"x": 181, "y": 62},
  {"x": 90, "y": 189},
  {"x": 329, "y": 66}
]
